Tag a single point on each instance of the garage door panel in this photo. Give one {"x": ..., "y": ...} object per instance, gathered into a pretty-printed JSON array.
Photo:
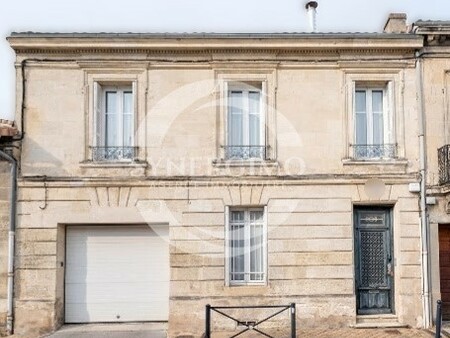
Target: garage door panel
[
  {"x": 101, "y": 292},
  {"x": 116, "y": 273},
  {"x": 110, "y": 312}
]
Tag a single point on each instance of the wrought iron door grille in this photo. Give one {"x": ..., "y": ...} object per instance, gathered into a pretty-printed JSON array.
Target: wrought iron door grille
[
  {"x": 245, "y": 152},
  {"x": 100, "y": 154},
  {"x": 251, "y": 325},
  {"x": 372, "y": 151},
  {"x": 444, "y": 164}
]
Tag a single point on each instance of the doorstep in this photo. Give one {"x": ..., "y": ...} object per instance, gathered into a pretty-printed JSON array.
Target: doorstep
[{"x": 378, "y": 321}]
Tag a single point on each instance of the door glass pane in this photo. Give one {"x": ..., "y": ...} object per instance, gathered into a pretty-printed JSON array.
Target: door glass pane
[
  {"x": 361, "y": 117},
  {"x": 111, "y": 119},
  {"x": 235, "y": 118}
]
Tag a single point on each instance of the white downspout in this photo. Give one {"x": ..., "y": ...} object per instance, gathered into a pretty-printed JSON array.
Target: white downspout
[{"x": 423, "y": 195}]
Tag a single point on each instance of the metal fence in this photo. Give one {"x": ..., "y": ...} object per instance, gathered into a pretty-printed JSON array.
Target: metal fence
[
  {"x": 444, "y": 164},
  {"x": 371, "y": 151},
  {"x": 245, "y": 152},
  {"x": 250, "y": 325},
  {"x": 100, "y": 154}
]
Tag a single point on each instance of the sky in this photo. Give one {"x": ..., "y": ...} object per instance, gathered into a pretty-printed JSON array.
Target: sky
[{"x": 193, "y": 16}]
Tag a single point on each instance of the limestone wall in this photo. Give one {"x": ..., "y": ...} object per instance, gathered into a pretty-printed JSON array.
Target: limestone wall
[
  {"x": 180, "y": 118},
  {"x": 310, "y": 246}
]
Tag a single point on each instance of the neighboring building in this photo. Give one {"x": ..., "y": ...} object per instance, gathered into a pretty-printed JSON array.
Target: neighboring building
[
  {"x": 160, "y": 173},
  {"x": 435, "y": 67},
  {"x": 7, "y": 131}
]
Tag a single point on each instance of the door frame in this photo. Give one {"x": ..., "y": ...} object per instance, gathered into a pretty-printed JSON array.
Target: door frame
[{"x": 389, "y": 209}]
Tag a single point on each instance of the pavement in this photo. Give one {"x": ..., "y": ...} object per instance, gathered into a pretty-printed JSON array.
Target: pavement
[
  {"x": 138, "y": 330},
  {"x": 159, "y": 331}
]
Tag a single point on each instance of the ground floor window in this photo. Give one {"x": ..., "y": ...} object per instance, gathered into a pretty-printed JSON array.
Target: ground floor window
[{"x": 246, "y": 237}]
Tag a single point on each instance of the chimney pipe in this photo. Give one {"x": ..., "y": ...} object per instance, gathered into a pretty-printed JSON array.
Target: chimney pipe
[{"x": 311, "y": 9}]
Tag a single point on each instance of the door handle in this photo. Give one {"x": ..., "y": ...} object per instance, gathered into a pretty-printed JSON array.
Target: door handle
[{"x": 390, "y": 272}]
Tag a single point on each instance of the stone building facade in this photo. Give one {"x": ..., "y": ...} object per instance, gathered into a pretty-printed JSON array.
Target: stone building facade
[
  {"x": 434, "y": 67},
  {"x": 217, "y": 169}
]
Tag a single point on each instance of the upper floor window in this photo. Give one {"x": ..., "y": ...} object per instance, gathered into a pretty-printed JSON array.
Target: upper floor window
[
  {"x": 245, "y": 121},
  {"x": 114, "y": 129},
  {"x": 246, "y": 246},
  {"x": 373, "y": 124}
]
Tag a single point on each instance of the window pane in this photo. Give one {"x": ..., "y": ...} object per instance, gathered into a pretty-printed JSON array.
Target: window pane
[
  {"x": 256, "y": 253},
  {"x": 237, "y": 216},
  {"x": 128, "y": 125},
  {"x": 377, "y": 101},
  {"x": 127, "y": 102},
  {"x": 256, "y": 216},
  {"x": 378, "y": 134},
  {"x": 235, "y": 118},
  {"x": 111, "y": 119},
  {"x": 254, "y": 119},
  {"x": 360, "y": 117},
  {"x": 378, "y": 123},
  {"x": 360, "y": 101},
  {"x": 128, "y": 130},
  {"x": 237, "y": 259},
  {"x": 111, "y": 102}
]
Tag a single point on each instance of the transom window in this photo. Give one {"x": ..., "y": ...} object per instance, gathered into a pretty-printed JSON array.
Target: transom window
[
  {"x": 247, "y": 247},
  {"x": 114, "y": 123},
  {"x": 246, "y": 125},
  {"x": 373, "y": 126}
]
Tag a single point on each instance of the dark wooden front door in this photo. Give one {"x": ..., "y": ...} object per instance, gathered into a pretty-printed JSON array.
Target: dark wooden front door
[
  {"x": 444, "y": 267},
  {"x": 374, "y": 262}
]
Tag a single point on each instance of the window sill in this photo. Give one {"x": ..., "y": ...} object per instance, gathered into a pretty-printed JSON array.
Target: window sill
[
  {"x": 376, "y": 161},
  {"x": 248, "y": 285},
  {"x": 221, "y": 163},
  {"x": 114, "y": 164}
]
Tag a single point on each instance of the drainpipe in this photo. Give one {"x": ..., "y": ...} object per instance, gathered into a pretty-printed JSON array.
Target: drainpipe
[
  {"x": 423, "y": 195},
  {"x": 11, "y": 241}
]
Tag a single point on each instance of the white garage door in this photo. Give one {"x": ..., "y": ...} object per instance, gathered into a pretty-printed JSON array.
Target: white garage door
[{"x": 117, "y": 274}]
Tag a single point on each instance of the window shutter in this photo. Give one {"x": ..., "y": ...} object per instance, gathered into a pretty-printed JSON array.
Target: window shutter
[
  {"x": 99, "y": 126},
  {"x": 265, "y": 250},
  {"x": 134, "y": 111}
]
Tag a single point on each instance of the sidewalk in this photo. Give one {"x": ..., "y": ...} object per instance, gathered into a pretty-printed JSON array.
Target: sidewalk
[
  {"x": 342, "y": 333},
  {"x": 138, "y": 331}
]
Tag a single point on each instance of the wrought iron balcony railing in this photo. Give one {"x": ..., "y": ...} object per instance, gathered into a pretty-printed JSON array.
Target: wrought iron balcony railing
[
  {"x": 101, "y": 154},
  {"x": 374, "y": 151},
  {"x": 245, "y": 152},
  {"x": 444, "y": 164}
]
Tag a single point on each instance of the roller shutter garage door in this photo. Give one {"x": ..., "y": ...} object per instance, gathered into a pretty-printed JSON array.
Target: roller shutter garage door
[{"x": 116, "y": 274}]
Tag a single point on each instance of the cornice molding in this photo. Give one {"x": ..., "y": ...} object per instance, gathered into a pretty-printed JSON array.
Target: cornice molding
[
  {"x": 211, "y": 45},
  {"x": 211, "y": 54}
]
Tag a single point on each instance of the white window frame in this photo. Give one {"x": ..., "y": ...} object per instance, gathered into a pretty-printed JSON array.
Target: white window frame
[
  {"x": 96, "y": 76},
  {"x": 246, "y": 88},
  {"x": 393, "y": 80},
  {"x": 228, "y": 249},
  {"x": 100, "y": 131},
  {"x": 246, "y": 73},
  {"x": 387, "y": 125}
]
